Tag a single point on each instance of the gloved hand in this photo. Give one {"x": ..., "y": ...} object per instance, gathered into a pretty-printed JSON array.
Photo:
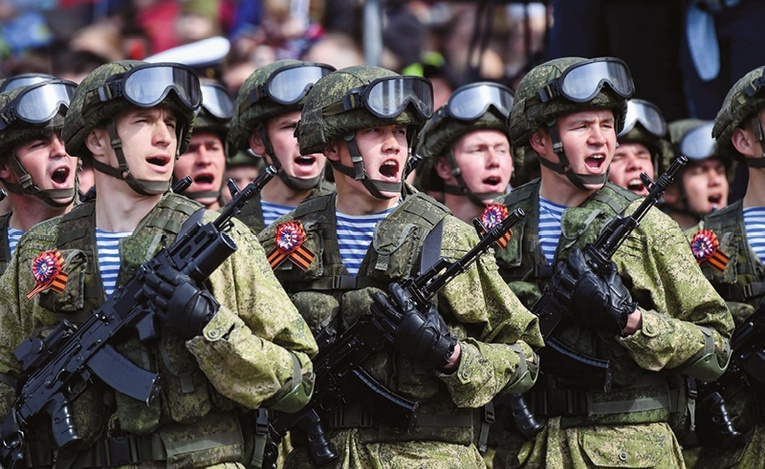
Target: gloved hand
[
  {"x": 601, "y": 302},
  {"x": 423, "y": 336},
  {"x": 183, "y": 306}
]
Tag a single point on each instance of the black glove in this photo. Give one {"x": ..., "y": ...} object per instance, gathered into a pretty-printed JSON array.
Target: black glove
[
  {"x": 423, "y": 336},
  {"x": 184, "y": 307},
  {"x": 597, "y": 301}
]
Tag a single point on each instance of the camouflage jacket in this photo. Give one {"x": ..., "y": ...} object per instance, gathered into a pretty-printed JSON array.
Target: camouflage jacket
[
  {"x": 490, "y": 323},
  {"x": 683, "y": 318},
  {"x": 247, "y": 356},
  {"x": 5, "y": 248}
]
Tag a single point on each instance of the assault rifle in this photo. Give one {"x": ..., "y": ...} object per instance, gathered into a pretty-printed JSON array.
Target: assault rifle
[
  {"x": 558, "y": 358},
  {"x": 57, "y": 369},
  {"x": 339, "y": 376}
]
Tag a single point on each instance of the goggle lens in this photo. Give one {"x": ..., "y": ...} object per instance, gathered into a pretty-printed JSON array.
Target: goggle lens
[
  {"x": 698, "y": 143},
  {"x": 39, "y": 103},
  {"x": 472, "y": 101},
  {"x": 389, "y": 97},
  {"x": 647, "y": 114},
  {"x": 581, "y": 83},
  {"x": 289, "y": 85},
  {"x": 216, "y": 101},
  {"x": 148, "y": 86}
]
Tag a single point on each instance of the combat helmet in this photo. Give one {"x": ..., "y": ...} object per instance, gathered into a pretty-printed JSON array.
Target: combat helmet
[
  {"x": 29, "y": 113},
  {"x": 645, "y": 124},
  {"x": 117, "y": 86},
  {"x": 563, "y": 86},
  {"x": 477, "y": 106},
  {"x": 360, "y": 97},
  {"x": 270, "y": 91},
  {"x": 739, "y": 109}
]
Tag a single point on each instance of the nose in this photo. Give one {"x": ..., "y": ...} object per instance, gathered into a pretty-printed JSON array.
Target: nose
[
  {"x": 597, "y": 136},
  {"x": 162, "y": 133},
  {"x": 390, "y": 142},
  {"x": 57, "y": 146}
]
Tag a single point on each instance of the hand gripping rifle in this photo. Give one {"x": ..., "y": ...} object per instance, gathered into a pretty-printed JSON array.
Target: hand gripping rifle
[
  {"x": 58, "y": 368},
  {"x": 339, "y": 376},
  {"x": 558, "y": 358}
]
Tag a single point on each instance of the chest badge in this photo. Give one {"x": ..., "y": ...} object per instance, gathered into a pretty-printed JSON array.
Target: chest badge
[
  {"x": 706, "y": 248},
  {"x": 48, "y": 272},
  {"x": 493, "y": 215},
  {"x": 288, "y": 241}
]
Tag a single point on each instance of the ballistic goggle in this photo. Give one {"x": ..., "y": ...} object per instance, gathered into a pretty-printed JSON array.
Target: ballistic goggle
[
  {"x": 24, "y": 79},
  {"x": 647, "y": 114},
  {"x": 216, "y": 101},
  {"x": 388, "y": 97},
  {"x": 289, "y": 84},
  {"x": 698, "y": 144},
  {"x": 580, "y": 83},
  {"x": 472, "y": 101},
  {"x": 148, "y": 85},
  {"x": 38, "y": 103}
]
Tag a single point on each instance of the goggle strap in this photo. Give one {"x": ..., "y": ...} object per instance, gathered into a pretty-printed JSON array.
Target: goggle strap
[{"x": 333, "y": 109}]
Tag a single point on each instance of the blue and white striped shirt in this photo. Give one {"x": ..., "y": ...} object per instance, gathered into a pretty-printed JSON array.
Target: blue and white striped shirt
[
  {"x": 354, "y": 236},
  {"x": 754, "y": 219},
  {"x": 14, "y": 236},
  {"x": 108, "y": 244},
  {"x": 273, "y": 211},
  {"x": 549, "y": 227}
]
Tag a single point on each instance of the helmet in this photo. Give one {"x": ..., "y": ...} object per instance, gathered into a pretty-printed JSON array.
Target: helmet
[
  {"x": 645, "y": 124},
  {"x": 444, "y": 128},
  {"x": 742, "y": 101},
  {"x": 356, "y": 98},
  {"x": 693, "y": 139},
  {"x": 215, "y": 112},
  {"x": 101, "y": 95},
  {"x": 543, "y": 94},
  {"x": 272, "y": 90}
]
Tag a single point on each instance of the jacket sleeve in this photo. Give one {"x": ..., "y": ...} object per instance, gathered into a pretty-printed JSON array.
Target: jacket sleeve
[
  {"x": 495, "y": 331},
  {"x": 257, "y": 349}
]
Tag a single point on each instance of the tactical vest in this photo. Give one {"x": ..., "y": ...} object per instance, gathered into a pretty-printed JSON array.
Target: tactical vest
[
  {"x": 743, "y": 280},
  {"x": 5, "y": 248},
  {"x": 190, "y": 412}
]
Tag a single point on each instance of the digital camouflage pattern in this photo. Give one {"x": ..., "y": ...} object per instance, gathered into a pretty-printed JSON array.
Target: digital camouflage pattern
[
  {"x": 315, "y": 130},
  {"x": 740, "y": 102},
  {"x": 19, "y": 131},
  {"x": 529, "y": 113},
  {"x": 87, "y": 112},
  {"x": 243, "y": 359},
  {"x": 488, "y": 320},
  {"x": 744, "y": 268},
  {"x": 675, "y": 300}
]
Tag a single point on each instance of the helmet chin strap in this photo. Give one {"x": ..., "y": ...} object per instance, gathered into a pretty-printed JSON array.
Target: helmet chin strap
[
  {"x": 296, "y": 184},
  {"x": 141, "y": 186},
  {"x": 477, "y": 198},
  {"x": 759, "y": 137},
  {"x": 203, "y": 194},
  {"x": 27, "y": 186},
  {"x": 564, "y": 167},
  {"x": 357, "y": 172}
]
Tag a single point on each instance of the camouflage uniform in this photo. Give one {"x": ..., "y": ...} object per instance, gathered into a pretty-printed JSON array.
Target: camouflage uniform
[
  {"x": 494, "y": 331},
  {"x": 254, "y": 352},
  {"x": 685, "y": 325},
  {"x": 740, "y": 283}
]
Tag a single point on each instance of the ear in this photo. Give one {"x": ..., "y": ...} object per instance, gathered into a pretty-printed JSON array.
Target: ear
[
  {"x": 5, "y": 169},
  {"x": 538, "y": 142},
  {"x": 743, "y": 142},
  {"x": 672, "y": 195},
  {"x": 332, "y": 151},
  {"x": 97, "y": 142},
  {"x": 256, "y": 143},
  {"x": 443, "y": 169}
]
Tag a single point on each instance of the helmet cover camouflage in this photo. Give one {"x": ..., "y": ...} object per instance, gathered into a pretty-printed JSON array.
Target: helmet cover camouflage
[
  {"x": 744, "y": 98},
  {"x": 530, "y": 113},
  {"x": 88, "y": 112},
  {"x": 315, "y": 130},
  {"x": 19, "y": 131},
  {"x": 679, "y": 129}
]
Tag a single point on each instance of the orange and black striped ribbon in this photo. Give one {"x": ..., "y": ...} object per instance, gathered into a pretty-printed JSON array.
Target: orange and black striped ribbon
[
  {"x": 48, "y": 272},
  {"x": 289, "y": 240}
]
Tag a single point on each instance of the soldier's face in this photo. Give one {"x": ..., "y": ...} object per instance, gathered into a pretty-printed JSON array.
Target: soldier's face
[
  {"x": 205, "y": 162},
  {"x": 281, "y": 132},
  {"x": 149, "y": 142},
  {"x": 631, "y": 159},
  {"x": 706, "y": 185},
  {"x": 484, "y": 160},
  {"x": 46, "y": 160}
]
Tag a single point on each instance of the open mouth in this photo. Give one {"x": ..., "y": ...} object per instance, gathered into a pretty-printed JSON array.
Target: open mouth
[
  {"x": 204, "y": 178},
  {"x": 389, "y": 169},
  {"x": 305, "y": 160},
  {"x": 492, "y": 181},
  {"x": 61, "y": 175},
  {"x": 715, "y": 201},
  {"x": 158, "y": 161},
  {"x": 595, "y": 161},
  {"x": 636, "y": 185}
]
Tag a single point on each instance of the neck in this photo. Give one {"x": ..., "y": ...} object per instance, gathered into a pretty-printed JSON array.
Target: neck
[
  {"x": 28, "y": 211},
  {"x": 755, "y": 189},
  {"x": 276, "y": 192},
  {"x": 562, "y": 192},
  {"x": 118, "y": 207},
  {"x": 685, "y": 220},
  {"x": 352, "y": 201},
  {"x": 462, "y": 208}
]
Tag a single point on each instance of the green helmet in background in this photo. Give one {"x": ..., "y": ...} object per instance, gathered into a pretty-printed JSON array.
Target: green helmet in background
[
  {"x": 361, "y": 97},
  {"x": 271, "y": 91},
  {"x": 118, "y": 86},
  {"x": 29, "y": 113},
  {"x": 563, "y": 86},
  {"x": 645, "y": 124},
  {"x": 477, "y": 106},
  {"x": 739, "y": 109}
]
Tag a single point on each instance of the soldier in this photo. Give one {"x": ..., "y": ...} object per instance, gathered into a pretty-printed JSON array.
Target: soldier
[
  {"x": 650, "y": 313},
  {"x": 466, "y": 149},
  {"x": 266, "y": 114},
  {"x": 702, "y": 185},
  {"x": 34, "y": 166},
  {"x": 235, "y": 344},
  {"x": 734, "y": 264},
  {"x": 205, "y": 159},
  {"x": 368, "y": 235},
  {"x": 642, "y": 144}
]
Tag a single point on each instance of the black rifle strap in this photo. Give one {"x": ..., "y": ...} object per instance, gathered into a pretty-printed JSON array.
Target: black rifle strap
[{"x": 431, "y": 247}]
